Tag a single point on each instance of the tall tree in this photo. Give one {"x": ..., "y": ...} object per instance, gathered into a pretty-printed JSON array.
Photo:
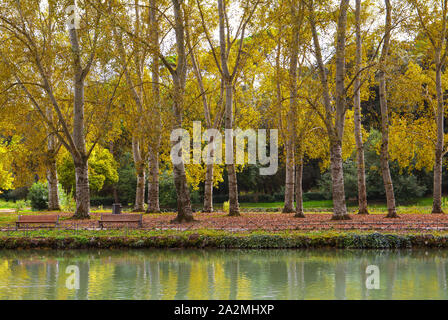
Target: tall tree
[
  {"x": 296, "y": 11},
  {"x": 362, "y": 189},
  {"x": 179, "y": 75},
  {"x": 137, "y": 92},
  {"x": 434, "y": 25},
  {"x": 211, "y": 123},
  {"x": 387, "y": 179},
  {"x": 294, "y": 154},
  {"x": 154, "y": 147},
  {"x": 53, "y": 147},
  {"x": 334, "y": 116},
  {"x": 229, "y": 75},
  {"x": 27, "y": 29}
]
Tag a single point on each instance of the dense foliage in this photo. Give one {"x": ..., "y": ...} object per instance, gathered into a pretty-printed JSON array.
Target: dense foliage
[
  {"x": 355, "y": 90},
  {"x": 38, "y": 196}
]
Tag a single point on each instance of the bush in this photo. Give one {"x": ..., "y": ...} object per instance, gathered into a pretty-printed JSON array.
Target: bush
[
  {"x": 279, "y": 196},
  {"x": 127, "y": 180},
  {"x": 66, "y": 200},
  {"x": 38, "y": 196},
  {"x": 20, "y": 205},
  {"x": 220, "y": 198},
  {"x": 167, "y": 191},
  {"x": 407, "y": 188},
  {"x": 226, "y": 206},
  {"x": 102, "y": 170},
  {"x": 14, "y": 195},
  {"x": 314, "y": 196},
  {"x": 97, "y": 201}
]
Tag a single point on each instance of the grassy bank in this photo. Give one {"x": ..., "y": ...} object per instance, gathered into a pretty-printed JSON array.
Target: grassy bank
[
  {"x": 65, "y": 239},
  {"x": 419, "y": 203}
]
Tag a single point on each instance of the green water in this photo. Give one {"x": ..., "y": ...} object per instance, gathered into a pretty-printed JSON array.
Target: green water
[{"x": 232, "y": 274}]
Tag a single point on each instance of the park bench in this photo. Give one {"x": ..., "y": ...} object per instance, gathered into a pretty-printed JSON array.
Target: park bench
[
  {"x": 39, "y": 221},
  {"x": 120, "y": 219}
]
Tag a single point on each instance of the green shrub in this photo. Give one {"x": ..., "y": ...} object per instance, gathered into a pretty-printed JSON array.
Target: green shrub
[
  {"x": 167, "y": 190},
  {"x": 66, "y": 200},
  {"x": 127, "y": 179},
  {"x": 20, "y": 205},
  {"x": 226, "y": 206},
  {"x": 38, "y": 196},
  {"x": 220, "y": 198},
  {"x": 16, "y": 194},
  {"x": 102, "y": 170},
  {"x": 96, "y": 201},
  {"x": 314, "y": 196}
]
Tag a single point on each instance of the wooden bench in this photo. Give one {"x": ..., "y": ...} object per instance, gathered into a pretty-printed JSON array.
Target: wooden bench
[
  {"x": 51, "y": 221},
  {"x": 120, "y": 219}
]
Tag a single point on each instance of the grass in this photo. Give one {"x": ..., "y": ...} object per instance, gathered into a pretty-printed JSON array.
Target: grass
[
  {"x": 418, "y": 206},
  {"x": 72, "y": 239},
  {"x": 324, "y": 204},
  {"x": 6, "y": 205},
  {"x": 134, "y": 238}
]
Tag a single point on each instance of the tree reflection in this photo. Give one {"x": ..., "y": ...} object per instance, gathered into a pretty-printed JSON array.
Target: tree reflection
[{"x": 225, "y": 274}]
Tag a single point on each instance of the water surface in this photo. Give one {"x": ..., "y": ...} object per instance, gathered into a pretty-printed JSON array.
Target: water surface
[{"x": 223, "y": 274}]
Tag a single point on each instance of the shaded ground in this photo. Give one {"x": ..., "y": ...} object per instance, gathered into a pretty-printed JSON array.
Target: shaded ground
[{"x": 266, "y": 222}]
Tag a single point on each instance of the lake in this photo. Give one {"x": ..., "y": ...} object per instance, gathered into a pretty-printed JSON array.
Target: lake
[{"x": 223, "y": 274}]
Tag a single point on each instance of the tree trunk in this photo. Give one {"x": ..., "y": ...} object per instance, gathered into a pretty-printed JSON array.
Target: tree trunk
[
  {"x": 387, "y": 179},
  {"x": 228, "y": 79},
  {"x": 362, "y": 189},
  {"x": 184, "y": 211},
  {"x": 299, "y": 191},
  {"x": 81, "y": 161},
  {"x": 337, "y": 170},
  {"x": 438, "y": 165},
  {"x": 208, "y": 190},
  {"x": 115, "y": 194},
  {"x": 153, "y": 185},
  {"x": 52, "y": 174},
  {"x": 234, "y": 208},
  {"x": 334, "y": 119},
  {"x": 140, "y": 190},
  {"x": 289, "y": 181},
  {"x": 79, "y": 154},
  {"x": 139, "y": 205},
  {"x": 293, "y": 105},
  {"x": 82, "y": 189},
  {"x": 52, "y": 178},
  {"x": 337, "y": 177}
]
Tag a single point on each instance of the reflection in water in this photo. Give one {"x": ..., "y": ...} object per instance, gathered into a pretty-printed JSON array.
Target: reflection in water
[{"x": 230, "y": 274}]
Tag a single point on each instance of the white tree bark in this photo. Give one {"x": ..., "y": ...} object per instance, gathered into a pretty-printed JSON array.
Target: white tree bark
[
  {"x": 334, "y": 117},
  {"x": 184, "y": 211},
  {"x": 362, "y": 189},
  {"x": 387, "y": 179}
]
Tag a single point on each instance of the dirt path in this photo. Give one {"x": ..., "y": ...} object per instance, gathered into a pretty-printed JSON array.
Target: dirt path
[
  {"x": 284, "y": 222},
  {"x": 7, "y": 211}
]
